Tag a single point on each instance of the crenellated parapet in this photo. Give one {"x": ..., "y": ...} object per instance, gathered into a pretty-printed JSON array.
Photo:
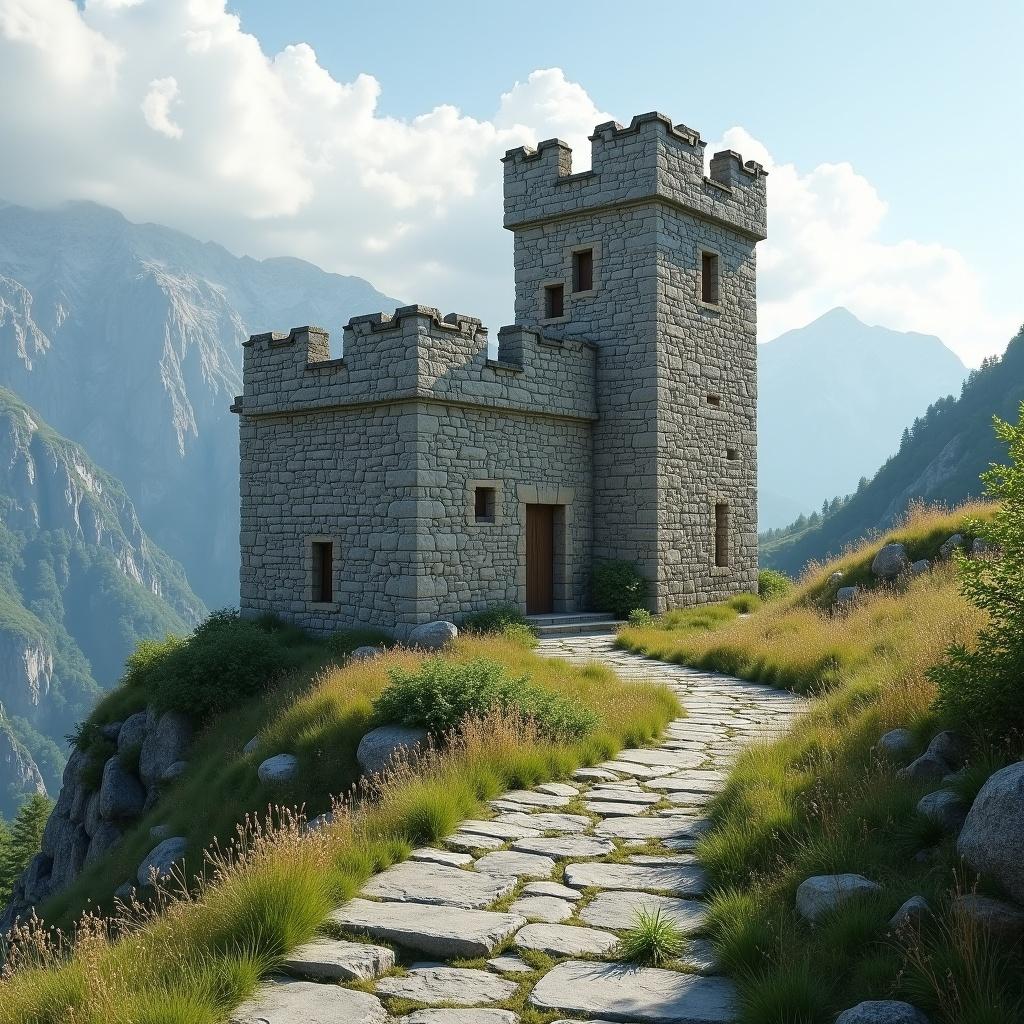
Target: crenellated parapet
[
  {"x": 416, "y": 353},
  {"x": 650, "y": 160}
]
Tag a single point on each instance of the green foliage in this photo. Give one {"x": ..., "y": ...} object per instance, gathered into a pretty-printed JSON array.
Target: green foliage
[
  {"x": 443, "y": 692},
  {"x": 19, "y": 842},
  {"x": 618, "y": 587},
  {"x": 494, "y": 619},
  {"x": 983, "y": 685},
  {"x": 521, "y": 634},
  {"x": 344, "y": 642},
  {"x": 640, "y": 617},
  {"x": 654, "y": 939},
  {"x": 772, "y": 584},
  {"x": 744, "y": 603}
]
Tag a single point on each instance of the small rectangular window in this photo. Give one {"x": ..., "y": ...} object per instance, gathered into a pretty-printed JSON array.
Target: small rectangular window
[
  {"x": 583, "y": 270},
  {"x": 323, "y": 571},
  {"x": 709, "y": 278},
  {"x": 732, "y": 454},
  {"x": 483, "y": 504},
  {"x": 554, "y": 301},
  {"x": 721, "y": 535},
  {"x": 714, "y": 400}
]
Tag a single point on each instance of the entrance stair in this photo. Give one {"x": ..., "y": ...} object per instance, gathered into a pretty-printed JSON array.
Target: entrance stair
[{"x": 573, "y": 623}]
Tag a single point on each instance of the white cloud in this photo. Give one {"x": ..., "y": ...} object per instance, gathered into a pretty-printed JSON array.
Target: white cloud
[
  {"x": 156, "y": 107},
  {"x": 273, "y": 156},
  {"x": 825, "y": 248}
]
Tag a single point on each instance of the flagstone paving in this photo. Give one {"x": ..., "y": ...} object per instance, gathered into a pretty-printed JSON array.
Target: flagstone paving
[{"x": 550, "y": 873}]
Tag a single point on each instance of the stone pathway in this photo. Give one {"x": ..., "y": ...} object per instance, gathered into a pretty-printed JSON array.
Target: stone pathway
[{"x": 532, "y": 902}]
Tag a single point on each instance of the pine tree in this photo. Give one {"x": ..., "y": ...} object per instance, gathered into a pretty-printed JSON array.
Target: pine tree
[{"x": 24, "y": 837}]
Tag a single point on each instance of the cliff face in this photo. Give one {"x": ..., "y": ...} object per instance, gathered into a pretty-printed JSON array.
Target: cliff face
[
  {"x": 80, "y": 584},
  {"x": 127, "y": 337}
]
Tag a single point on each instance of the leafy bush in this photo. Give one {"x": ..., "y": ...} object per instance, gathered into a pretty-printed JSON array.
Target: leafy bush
[
  {"x": 225, "y": 660},
  {"x": 772, "y": 584},
  {"x": 495, "y": 619},
  {"x": 640, "y": 617},
  {"x": 441, "y": 693},
  {"x": 984, "y": 685},
  {"x": 618, "y": 587}
]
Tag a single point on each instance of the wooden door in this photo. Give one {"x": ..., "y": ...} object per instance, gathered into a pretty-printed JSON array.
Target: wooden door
[{"x": 540, "y": 557}]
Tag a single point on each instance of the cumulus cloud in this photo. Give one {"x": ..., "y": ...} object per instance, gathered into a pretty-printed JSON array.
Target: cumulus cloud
[{"x": 272, "y": 155}]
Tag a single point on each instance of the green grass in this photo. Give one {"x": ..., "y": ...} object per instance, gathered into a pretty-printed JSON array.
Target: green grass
[
  {"x": 654, "y": 939},
  {"x": 270, "y": 888},
  {"x": 819, "y": 800}
]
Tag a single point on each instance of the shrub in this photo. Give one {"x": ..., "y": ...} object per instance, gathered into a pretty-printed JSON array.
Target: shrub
[
  {"x": 983, "y": 685},
  {"x": 618, "y": 587},
  {"x": 640, "y": 617},
  {"x": 495, "y": 619},
  {"x": 652, "y": 940},
  {"x": 441, "y": 693},
  {"x": 744, "y": 603},
  {"x": 225, "y": 660},
  {"x": 521, "y": 634},
  {"x": 772, "y": 584}
]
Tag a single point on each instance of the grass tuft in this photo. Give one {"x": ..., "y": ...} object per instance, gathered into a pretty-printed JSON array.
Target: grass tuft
[{"x": 654, "y": 939}]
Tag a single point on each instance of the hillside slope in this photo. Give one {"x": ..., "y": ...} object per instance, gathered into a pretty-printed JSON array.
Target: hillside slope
[
  {"x": 940, "y": 462},
  {"x": 80, "y": 585},
  {"x": 833, "y": 398},
  {"x": 105, "y": 323}
]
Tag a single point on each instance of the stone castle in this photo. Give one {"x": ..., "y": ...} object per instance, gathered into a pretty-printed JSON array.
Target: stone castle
[{"x": 419, "y": 477}]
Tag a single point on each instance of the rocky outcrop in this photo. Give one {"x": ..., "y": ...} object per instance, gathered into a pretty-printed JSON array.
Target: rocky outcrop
[
  {"x": 87, "y": 823},
  {"x": 17, "y": 768}
]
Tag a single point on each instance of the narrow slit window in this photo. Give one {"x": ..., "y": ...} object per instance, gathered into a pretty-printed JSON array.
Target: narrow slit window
[
  {"x": 709, "y": 278},
  {"x": 715, "y": 400},
  {"x": 583, "y": 270},
  {"x": 721, "y": 535},
  {"x": 323, "y": 571},
  {"x": 483, "y": 504},
  {"x": 554, "y": 301}
]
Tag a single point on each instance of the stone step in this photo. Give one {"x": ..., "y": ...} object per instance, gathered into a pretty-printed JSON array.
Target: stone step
[
  {"x": 597, "y": 626},
  {"x": 569, "y": 618}
]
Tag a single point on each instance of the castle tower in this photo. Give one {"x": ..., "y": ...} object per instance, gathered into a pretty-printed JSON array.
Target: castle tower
[{"x": 653, "y": 261}]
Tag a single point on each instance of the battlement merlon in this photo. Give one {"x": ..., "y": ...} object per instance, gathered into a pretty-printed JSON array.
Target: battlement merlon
[
  {"x": 416, "y": 353},
  {"x": 650, "y": 160}
]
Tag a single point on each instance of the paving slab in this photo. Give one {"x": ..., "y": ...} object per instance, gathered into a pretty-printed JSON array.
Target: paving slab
[
  {"x": 327, "y": 959},
  {"x": 633, "y": 795},
  {"x": 638, "y": 771},
  {"x": 558, "y": 789},
  {"x": 499, "y": 829},
  {"x": 618, "y": 992},
  {"x": 615, "y": 810},
  {"x": 473, "y": 842},
  {"x": 450, "y": 857},
  {"x": 547, "y": 821},
  {"x": 477, "y": 1015},
  {"x": 549, "y": 909},
  {"x": 680, "y": 879},
  {"x": 423, "y": 882},
  {"x": 508, "y": 964},
  {"x": 565, "y": 940},
  {"x": 657, "y": 756},
  {"x": 421, "y": 927},
  {"x": 650, "y": 828},
  {"x": 283, "y": 1001},
  {"x": 515, "y": 864},
  {"x": 459, "y": 986},
  {"x": 618, "y": 910},
  {"x": 566, "y": 846},
  {"x": 556, "y": 889},
  {"x": 531, "y": 798},
  {"x": 594, "y": 775}
]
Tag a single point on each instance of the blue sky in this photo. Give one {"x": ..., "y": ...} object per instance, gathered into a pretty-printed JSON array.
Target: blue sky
[{"x": 365, "y": 137}]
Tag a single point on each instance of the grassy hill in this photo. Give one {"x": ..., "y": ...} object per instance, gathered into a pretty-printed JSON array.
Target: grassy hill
[{"x": 939, "y": 461}]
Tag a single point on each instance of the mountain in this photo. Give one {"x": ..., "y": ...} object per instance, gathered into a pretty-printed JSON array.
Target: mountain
[
  {"x": 939, "y": 461},
  {"x": 80, "y": 585},
  {"x": 126, "y": 337},
  {"x": 833, "y": 399}
]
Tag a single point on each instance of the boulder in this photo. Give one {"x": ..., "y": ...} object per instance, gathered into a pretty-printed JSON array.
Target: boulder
[
  {"x": 365, "y": 653},
  {"x": 377, "y": 748},
  {"x": 159, "y": 831},
  {"x": 92, "y": 814},
  {"x": 819, "y": 895},
  {"x": 944, "y": 807},
  {"x": 951, "y": 747},
  {"x": 36, "y": 878},
  {"x": 166, "y": 742},
  {"x": 173, "y": 772},
  {"x": 432, "y": 636},
  {"x": 896, "y": 743},
  {"x": 910, "y": 914},
  {"x": 951, "y": 544},
  {"x": 999, "y": 919},
  {"x": 929, "y": 767},
  {"x": 161, "y": 859},
  {"x": 107, "y": 836},
  {"x": 121, "y": 793},
  {"x": 836, "y": 577},
  {"x": 980, "y": 548},
  {"x": 80, "y": 804},
  {"x": 990, "y": 840},
  {"x": 847, "y": 595},
  {"x": 111, "y": 730},
  {"x": 251, "y": 745},
  {"x": 882, "y": 1011},
  {"x": 70, "y": 784},
  {"x": 921, "y": 566},
  {"x": 279, "y": 768},
  {"x": 124, "y": 892},
  {"x": 890, "y": 562},
  {"x": 132, "y": 732},
  {"x": 71, "y": 846}
]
